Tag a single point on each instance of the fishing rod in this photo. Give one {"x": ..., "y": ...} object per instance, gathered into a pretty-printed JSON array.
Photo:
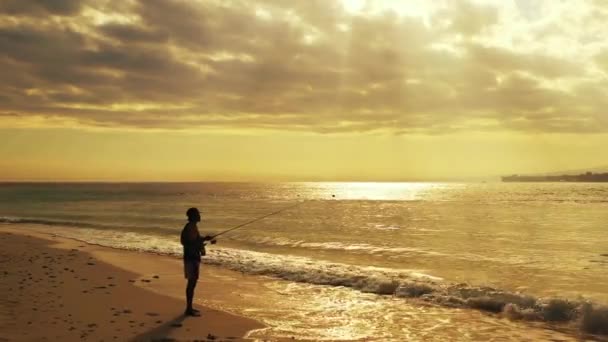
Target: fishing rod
[{"x": 254, "y": 220}]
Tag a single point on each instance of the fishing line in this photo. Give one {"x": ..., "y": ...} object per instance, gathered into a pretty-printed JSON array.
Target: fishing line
[
  {"x": 255, "y": 220},
  {"x": 240, "y": 226}
]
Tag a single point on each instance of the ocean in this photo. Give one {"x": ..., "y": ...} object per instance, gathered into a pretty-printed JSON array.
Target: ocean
[{"x": 453, "y": 254}]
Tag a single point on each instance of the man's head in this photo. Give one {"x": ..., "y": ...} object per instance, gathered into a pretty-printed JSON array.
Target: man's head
[{"x": 193, "y": 215}]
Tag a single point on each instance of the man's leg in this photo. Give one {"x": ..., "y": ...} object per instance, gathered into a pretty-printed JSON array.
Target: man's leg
[
  {"x": 190, "y": 294},
  {"x": 192, "y": 270}
]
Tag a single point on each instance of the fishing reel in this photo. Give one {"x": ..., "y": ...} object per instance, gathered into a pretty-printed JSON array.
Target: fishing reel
[
  {"x": 204, "y": 243},
  {"x": 209, "y": 238}
]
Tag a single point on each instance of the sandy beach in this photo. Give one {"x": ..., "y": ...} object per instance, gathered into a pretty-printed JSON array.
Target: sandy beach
[{"x": 63, "y": 290}]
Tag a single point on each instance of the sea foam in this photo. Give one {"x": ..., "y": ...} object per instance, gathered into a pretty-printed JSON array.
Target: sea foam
[{"x": 590, "y": 317}]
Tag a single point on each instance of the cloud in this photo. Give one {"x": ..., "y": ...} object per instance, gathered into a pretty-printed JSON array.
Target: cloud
[
  {"x": 305, "y": 66},
  {"x": 128, "y": 34},
  {"x": 503, "y": 60},
  {"x": 468, "y": 18},
  {"x": 40, "y": 7}
]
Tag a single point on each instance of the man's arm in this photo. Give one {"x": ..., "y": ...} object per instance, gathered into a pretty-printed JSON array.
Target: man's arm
[{"x": 209, "y": 238}]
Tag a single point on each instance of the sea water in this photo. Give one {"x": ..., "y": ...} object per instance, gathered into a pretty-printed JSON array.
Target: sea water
[{"x": 394, "y": 260}]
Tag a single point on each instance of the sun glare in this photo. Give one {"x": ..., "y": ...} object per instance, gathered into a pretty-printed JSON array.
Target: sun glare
[
  {"x": 353, "y": 5},
  {"x": 412, "y": 8},
  {"x": 377, "y": 190}
]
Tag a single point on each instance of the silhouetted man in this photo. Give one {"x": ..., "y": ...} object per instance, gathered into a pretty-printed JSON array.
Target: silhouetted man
[{"x": 194, "y": 247}]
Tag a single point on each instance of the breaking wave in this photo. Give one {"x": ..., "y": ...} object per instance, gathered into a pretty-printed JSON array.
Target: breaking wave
[
  {"x": 590, "y": 317},
  {"x": 331, "y": 245},
  {"x": 79, "y": 224}
]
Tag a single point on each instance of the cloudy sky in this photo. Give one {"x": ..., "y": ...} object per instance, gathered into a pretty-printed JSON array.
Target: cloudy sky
[{"x": 301, "y": 90}]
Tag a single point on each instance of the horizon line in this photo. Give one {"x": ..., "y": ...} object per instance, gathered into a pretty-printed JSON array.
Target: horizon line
[{"x": 477, "y": 179}]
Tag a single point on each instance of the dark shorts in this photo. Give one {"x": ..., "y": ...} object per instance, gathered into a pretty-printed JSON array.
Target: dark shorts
[{"x": 191, "y": 269}]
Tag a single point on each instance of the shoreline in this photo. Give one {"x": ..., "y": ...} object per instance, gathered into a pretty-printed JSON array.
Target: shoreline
[
  {"x": 243, "y": 300},
  {"x": 60, "y": 289}
]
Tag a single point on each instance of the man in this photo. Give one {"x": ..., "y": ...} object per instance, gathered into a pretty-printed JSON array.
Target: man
[{"x": 194, "y": 247}]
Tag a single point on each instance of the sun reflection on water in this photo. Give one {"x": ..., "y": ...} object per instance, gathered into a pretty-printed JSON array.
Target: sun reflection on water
[{"x": 376, "y": 190}]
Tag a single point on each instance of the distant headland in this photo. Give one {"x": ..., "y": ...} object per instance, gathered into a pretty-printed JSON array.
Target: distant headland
[{"x": 583, "y": 177}]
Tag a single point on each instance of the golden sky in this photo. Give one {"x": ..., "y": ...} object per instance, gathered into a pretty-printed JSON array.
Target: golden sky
[{"x": 301, "y": 90}]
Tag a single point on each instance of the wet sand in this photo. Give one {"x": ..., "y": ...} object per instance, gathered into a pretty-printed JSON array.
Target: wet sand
[{"x": 61, "y": 290}]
